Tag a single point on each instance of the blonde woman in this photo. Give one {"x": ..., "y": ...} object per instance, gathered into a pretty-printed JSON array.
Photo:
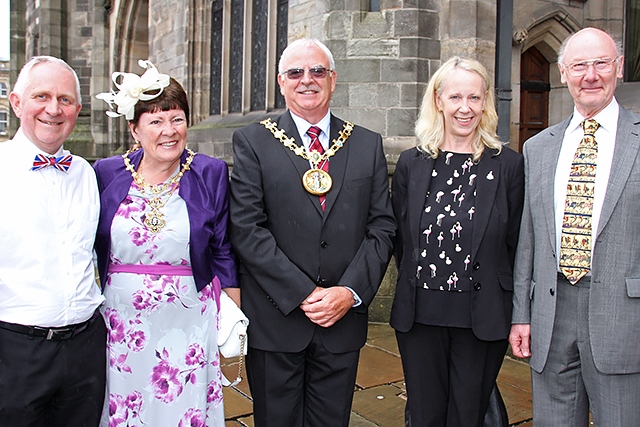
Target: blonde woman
[{"x": 458, "y": 198}]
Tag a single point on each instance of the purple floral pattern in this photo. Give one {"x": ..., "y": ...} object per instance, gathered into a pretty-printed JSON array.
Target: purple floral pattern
[
  {"x": 123, "y": 411},
  {"x": 164, "y": 368},
  {"x": 192, "y": 418},
  {"x": 165, "y": 382}
]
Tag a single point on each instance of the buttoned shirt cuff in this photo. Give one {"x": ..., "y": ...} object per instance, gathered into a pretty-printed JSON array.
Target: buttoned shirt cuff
[{"x": 356, "y": 298}]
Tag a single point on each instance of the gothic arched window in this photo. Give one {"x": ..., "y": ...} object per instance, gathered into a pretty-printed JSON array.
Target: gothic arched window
[{"x": 246, "y": 43}]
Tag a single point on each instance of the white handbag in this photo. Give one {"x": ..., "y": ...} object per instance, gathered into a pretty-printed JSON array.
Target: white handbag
[{"x": 232, "y": 334}]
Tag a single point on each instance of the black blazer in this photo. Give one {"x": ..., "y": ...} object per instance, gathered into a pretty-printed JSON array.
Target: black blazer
[
  {"x": 495, "y": 235},
  {"x": 287, "y": 245}
]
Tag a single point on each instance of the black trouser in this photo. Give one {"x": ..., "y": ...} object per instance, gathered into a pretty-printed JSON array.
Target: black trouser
[
  {"x": 449, "y": 374},
  {"x": 46, "y": 383},
  {"x": 312, "y": 388}
]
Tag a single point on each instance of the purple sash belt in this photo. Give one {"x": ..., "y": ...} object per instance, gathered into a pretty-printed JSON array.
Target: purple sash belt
[{"x": 157, "y": 269}]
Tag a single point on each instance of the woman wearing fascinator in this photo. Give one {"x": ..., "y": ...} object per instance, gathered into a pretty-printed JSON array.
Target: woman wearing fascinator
[{"x": 163, "y": 257}]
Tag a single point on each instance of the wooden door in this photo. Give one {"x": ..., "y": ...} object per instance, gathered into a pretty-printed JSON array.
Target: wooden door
[{"x": 534, "y": 94}]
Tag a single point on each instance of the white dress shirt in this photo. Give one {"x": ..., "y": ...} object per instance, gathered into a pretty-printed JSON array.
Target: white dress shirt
[
  {"x": 606, "y": 139},
  {"x": 303, "y": 126},
  {"x": 48, "y": 223}
]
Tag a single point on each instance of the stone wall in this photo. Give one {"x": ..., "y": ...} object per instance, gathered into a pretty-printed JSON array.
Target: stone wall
[
  {"x": 168, "y": 30},
  {"x": 383, "y": 60},
  {"x": 4, "y": 99}
]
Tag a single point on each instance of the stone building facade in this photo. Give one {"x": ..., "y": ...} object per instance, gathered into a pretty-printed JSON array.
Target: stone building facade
[
  {"x": 5, "y": 89},
  {"x": 225, "y": 54}
]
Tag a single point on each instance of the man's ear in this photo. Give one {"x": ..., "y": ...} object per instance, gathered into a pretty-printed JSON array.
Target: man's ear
[
  {"x": 563, "y": 78},
  {"x": 16, "y": 104}
]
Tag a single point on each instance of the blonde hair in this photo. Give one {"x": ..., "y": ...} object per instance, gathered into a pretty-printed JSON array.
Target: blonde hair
[{"x": 430, "y": 124}]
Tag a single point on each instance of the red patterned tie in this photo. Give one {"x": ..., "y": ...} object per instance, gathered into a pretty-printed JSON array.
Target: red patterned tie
[{"x": 314, "y": 133}]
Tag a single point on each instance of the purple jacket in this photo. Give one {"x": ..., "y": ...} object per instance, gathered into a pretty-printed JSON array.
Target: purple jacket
[{"x": 204, "y": 188}]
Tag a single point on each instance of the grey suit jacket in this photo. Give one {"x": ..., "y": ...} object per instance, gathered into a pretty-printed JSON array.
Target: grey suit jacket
[{"x": 614, "y": 296}]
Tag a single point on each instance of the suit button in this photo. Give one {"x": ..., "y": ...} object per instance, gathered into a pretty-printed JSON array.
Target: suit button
[
  {"x": 552, "y": 292},
  {"x": 324, "y": 244},
  {"x": 476, "y": 266},
  {"x": 477, "y": 286}
]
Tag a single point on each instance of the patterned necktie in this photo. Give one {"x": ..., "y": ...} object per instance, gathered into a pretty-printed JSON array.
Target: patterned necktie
[
  {"x": 62, "y": 163},
  {"x": 575, "y": 241},
  {"x": 314, "y": 133}
]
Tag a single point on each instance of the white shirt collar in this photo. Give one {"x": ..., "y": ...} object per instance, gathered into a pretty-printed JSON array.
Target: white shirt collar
[
  {"x": 607, "y": 118},
  {"x": 303, "y": 126},
  {"x": 28, "y": 150}
]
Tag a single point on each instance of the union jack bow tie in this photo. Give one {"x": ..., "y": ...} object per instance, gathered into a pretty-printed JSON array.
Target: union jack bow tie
[{"x": 62, "y": 163}]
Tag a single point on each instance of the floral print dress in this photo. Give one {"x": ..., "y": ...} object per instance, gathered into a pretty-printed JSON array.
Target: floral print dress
[{"x": 164, "y": 367}]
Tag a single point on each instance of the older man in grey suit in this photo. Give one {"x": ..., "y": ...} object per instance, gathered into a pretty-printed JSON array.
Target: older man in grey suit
[{"x": 577, "y": 272}]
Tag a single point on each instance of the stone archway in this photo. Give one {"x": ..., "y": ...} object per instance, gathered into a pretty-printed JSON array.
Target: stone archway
[
  {"x": 547, "y": 28},
  {"x": 130, "y": 36},
  {"x": 199, "y": 59}
]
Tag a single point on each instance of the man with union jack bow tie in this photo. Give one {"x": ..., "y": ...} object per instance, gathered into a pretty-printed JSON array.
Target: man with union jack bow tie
[{"x": 52, "y": 338}]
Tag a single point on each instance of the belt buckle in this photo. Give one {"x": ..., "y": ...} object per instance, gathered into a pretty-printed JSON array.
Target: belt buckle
[{"x": 52, "y": 334}]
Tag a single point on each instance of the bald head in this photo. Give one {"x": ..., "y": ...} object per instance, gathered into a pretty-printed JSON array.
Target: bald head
[{"x": 590, "y": 63}]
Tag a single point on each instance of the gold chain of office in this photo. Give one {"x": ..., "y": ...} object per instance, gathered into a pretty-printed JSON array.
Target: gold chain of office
[
  {"x": 313, "y": 156},
  {"x": 154, "y": 220},
  {"x": 315, "y": 181}
]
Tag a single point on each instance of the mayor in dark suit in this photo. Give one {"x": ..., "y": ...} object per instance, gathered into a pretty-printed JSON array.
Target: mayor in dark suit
[
  {"x": 312, "y": 224},
  {"x": 577, "y": 272},
  {"x": 458, "y": 199}
]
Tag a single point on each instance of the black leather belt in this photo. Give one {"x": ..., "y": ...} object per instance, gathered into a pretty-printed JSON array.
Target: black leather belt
[{"x": 51, "y": 334}]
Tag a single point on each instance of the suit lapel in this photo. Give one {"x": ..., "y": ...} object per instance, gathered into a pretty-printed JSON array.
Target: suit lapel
[
  {"x": 337, "y": 165},
  {"x": 625, "y": 153},
  {"x": 286, "y": 123},
  {"x": 547, "y": 175},
  {"x": 419, "y": 180},
  {"x": 488, "y": 177}
]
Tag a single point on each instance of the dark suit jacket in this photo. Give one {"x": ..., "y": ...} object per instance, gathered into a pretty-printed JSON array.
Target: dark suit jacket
[
  {"x": 495, "y": 235},
  {"x": 287, "y": 245},
  {"x": 204, "y": 189}
]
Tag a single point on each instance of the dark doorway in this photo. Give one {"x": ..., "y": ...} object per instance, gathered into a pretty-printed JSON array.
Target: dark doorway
[{"x": 534, "y": 94}]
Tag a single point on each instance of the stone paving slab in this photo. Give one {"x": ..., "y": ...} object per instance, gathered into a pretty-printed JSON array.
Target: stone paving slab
[
  {"x": 515, "y": 373},
  {"x": 379, "y": 398},
  {"x": 230, "y": 370},
  {"x": 381, "y": 335},
  {"x": 236, "y": 404},
  {"x": 382, "y": 405},
  {"x": 514, "y": 382},
  {"x": 377, "y": 367}
]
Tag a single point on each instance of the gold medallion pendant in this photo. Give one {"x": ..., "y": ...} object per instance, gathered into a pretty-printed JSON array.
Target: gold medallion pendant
[
  {"x": 154, "y": 221},
  {"x": 317, "y": 182}
]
